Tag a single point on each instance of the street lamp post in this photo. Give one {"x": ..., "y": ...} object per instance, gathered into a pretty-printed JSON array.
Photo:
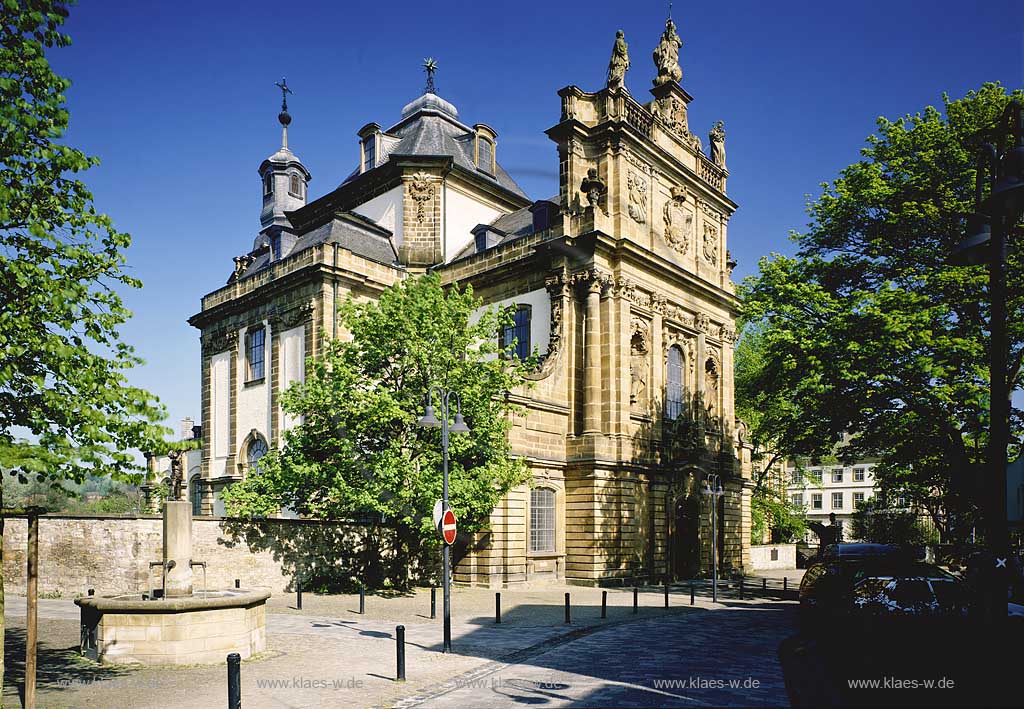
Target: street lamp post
[
  {"x": 987, "y": 231},
  {"x": 713, "y": 489},
  {"x": 429, "y": 420}
]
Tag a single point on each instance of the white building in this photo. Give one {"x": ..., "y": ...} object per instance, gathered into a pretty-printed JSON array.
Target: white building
[{"x": 826, "y": 489}]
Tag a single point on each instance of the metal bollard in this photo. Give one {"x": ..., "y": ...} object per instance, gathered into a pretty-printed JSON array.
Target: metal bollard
[
  {"x": 298, "y": 595},
  {"x": 666, "y": 594},
  {"x": 691, "y": 593},
  {"x": 568, "y": 618},
  {"x": 497, "y": 607},
  {"x": 604, "y": 604},
  {"x": 433, "y": 602},
  {"x": 400, "y": 647},
  {"x": 362, "y": 600},
  {"x": 234, "y": 681},
  {"x": 238, "y": 583},
  {"x": 741, "y": 588},
  {"x": 92, "y": 591},
  {"x": 636, "y": 597},
  {"x": 764, "y": 584},
  {"x": 785, "y": 583}
]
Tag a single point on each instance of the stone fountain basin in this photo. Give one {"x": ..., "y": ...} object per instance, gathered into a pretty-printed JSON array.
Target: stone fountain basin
[{"x": 187, "y": 630}]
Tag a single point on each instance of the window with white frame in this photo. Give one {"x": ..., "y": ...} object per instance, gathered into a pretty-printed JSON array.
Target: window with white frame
[
  {"x": 858, "y": 497},
  {"x": 858, "y": 475},
  {"x": 257, "y": 449},
  {"x": 254, "y": 352},
  {"x": 837, "y": 500},
  {"x": 542, "y": 519},
  {"x": 796, "y": 477},
  {"x": 674, "y": 383},
  {"x": 837, "y": 475},
  {"x": 369, "y": 152},
  {"x": 815, "y": 500},
  {"x": 798, "y": 499}
]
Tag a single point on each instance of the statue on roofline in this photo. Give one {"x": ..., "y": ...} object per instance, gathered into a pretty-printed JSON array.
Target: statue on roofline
[
  {"x": 619, "y": 62},
  {"x": 666, "y": 56}
]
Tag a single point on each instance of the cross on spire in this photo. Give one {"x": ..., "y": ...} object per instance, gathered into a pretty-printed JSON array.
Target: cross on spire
[
  {"x": 283, "y": 85},
  {"x": 430, "y": 66}
]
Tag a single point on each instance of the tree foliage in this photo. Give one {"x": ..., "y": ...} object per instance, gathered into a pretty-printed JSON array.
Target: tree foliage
[
  {"x": 869, "y": 331},
  {"x": 358, "y": 449},
  {"x": 876, "y": 522}
]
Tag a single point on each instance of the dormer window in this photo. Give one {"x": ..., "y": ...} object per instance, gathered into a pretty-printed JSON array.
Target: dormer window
[
  {"x": 268, "y": 184},
  {"x": 369, "y": 152},
  {"x": 295, "y": 186},
  {"x": 484, "y": 148},
  {"x": 481, "y": 240}
]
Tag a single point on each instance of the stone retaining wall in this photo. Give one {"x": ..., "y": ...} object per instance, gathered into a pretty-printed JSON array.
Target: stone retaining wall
[
  {"x": 111, "y": 553},
  {"x": 773, "y": 556}
]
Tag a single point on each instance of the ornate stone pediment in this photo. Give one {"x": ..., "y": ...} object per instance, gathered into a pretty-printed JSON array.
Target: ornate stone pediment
[{"x": 421, "y": 190}]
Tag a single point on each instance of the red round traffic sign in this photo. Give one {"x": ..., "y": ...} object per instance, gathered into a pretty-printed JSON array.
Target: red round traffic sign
[{"x": 448, "y": 527}]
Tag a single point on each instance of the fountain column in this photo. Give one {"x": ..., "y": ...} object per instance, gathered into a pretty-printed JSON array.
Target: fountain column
[{"x": 177, "y": 548}]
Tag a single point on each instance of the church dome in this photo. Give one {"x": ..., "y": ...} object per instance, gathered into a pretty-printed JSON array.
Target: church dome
[{"x": 430, "y": 101}]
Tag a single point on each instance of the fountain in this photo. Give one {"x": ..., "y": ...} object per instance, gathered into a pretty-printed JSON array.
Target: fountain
[{"x": 176, "y": 626}]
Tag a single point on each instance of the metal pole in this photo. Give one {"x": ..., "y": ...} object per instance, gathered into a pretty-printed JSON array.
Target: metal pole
[
  {"x": 714, "y": 546},
  {"x": 298, "y": 595},
  {"x": 604, "y": 604},
  {"x": 362, "y": 600},
  {"x": 691, "y": 593},
  {"x": 568, "y": 619},
  {"x": 446, "y": 554},
  {"x": 234, "y": 681},
  {"x": 636, "y": 596},
  {"x": 32, "y": 613},
  {"x": 666, "y": 594},
  {"x": 999, "y": 401},
  {"x": 764, "y": 584},
  {"x": 497, "y": 607},
  {"x": 400, "y": 649},
  {"x": 741, "y": 587},
  {"x": 433, "y": 602}
]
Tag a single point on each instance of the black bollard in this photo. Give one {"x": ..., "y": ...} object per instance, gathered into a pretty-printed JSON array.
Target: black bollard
[
  {"x": 764, "y": 584},
  {"x": 666, "y": 594},
  {"x": 433, "y": 602},
  {"x": 298, "y": 595},
  {"x": 636, "y": 597},
  {"x": 568, "y": 618},
  {"x": 400, "y": 646},
  {"x": 741, "y": 588},
  {"x": 785, "y": 582},
  {"x": 362, "y": 600},
  {"x": 691, "y": 593},
  {"x": 92, "y": 591},
  {"x": 238, "y": 583},
  {"x": 497, "y": 607},
  {"x": 234, "y": 681},
  {"x": 604, "y": 604}
]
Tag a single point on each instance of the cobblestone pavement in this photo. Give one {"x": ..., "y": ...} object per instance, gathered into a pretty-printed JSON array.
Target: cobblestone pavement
[
  {"x": 340, "y": 658},
  {"x": 724, "y": 658}
]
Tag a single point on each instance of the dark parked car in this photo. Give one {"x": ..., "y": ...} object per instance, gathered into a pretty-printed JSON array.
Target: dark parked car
[
  {"x": 826, "y": 589},
  {"x": 899, "y": 603}
]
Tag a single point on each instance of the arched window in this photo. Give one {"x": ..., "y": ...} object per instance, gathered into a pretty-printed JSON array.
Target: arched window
[
  {"x": 257, "y": 449},
  {"x": 268, "y": 184},
  {"x": 295, "y": 185},
  {"x": 485, "y": 155},
  {"x": 542, "y": 519},
  {"x": 674, "y": 383},
  {"x": 370, "y": 152},
  {"x": 195, "y": 494}
]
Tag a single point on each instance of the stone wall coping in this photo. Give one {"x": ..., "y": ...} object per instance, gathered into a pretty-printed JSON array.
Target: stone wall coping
[{"x": 233, "y": 599}]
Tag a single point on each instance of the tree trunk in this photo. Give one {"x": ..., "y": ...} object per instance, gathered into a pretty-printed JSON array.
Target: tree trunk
[{"x": 3, "y": 625}]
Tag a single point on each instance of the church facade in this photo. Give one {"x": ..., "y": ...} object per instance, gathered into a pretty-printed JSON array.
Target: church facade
[{"x": 621, "y": 283}]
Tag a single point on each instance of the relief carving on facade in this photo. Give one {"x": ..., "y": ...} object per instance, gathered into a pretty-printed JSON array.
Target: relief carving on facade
[
  {"x": 298, "y": 315},
  {"x": 594, "y": 188},
  {"x": 597, "y": 281},
  {"x": 639, "y": 356},
  {"x": 421, "y": 190},
  {"x": 712, "y": 388},
  {"x": 559, "y": 288},
  {"x": 659, "y": 303},
  {"x": 672, "y": 114},
  {"x": 636, "y": 185},
  {"x": 710, "y": 242},
  {"x": 701, "y": 323},
  {"x": 678, "y": 221},
  {"x": 215, "y": 342}
]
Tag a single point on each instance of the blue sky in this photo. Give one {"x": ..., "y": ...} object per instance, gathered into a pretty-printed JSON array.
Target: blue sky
[{"x": 177, "y": 100}]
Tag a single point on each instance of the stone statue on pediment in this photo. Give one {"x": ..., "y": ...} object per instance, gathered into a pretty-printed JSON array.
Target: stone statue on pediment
[
  {"x": 619, "y": 63},
  {"x": 717, "y": 139},
  {"x": 666, "y": 56}
]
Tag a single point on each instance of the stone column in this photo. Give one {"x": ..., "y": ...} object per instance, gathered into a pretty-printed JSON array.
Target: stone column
[
  {"x": 178, "y": 548},
  {"x": 592, "y": 358}
]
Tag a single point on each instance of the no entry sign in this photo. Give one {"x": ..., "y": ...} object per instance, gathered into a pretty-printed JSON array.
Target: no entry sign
[{"x": 448, "y": 527}]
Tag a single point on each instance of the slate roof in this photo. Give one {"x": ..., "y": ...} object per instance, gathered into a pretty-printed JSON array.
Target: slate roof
[
  {"x": 511, "y": 226},
  {"x": 430, "y": 126}
]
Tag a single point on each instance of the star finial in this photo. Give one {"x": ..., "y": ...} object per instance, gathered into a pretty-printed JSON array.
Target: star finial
[
  {"x": 430, "y": 66},
  {"x": 283, "y": 85}
]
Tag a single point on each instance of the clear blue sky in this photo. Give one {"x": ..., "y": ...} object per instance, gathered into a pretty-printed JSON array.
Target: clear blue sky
[{"x": 177, "y": 99}]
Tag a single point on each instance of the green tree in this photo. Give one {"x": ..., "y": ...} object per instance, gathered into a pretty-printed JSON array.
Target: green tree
[
  {"x": 66, "y": 409},
  {"x": 770, "y": 512},
  {"x": 876, "y": 522},
  {"x": 868, "y": 330},
  {"x": 358, "y": 450}
]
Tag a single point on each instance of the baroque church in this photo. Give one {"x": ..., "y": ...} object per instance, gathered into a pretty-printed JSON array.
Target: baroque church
[{"x": 621, "y": 283}]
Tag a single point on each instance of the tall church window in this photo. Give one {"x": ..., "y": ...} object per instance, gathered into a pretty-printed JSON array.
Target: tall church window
[
  {"x": 542, "y": 519},
  {"x": 369, "y": 152},
  {"x": 515, "y": 338},
  {"x": 255, "y": 347},
  {"x": 195, "y": 494},
  {"x": 674, "y": 383},
  {"x": 295, "y": 185},
  {"x": 257, "y": 449},
  {"x": 268, "y": 184}
]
